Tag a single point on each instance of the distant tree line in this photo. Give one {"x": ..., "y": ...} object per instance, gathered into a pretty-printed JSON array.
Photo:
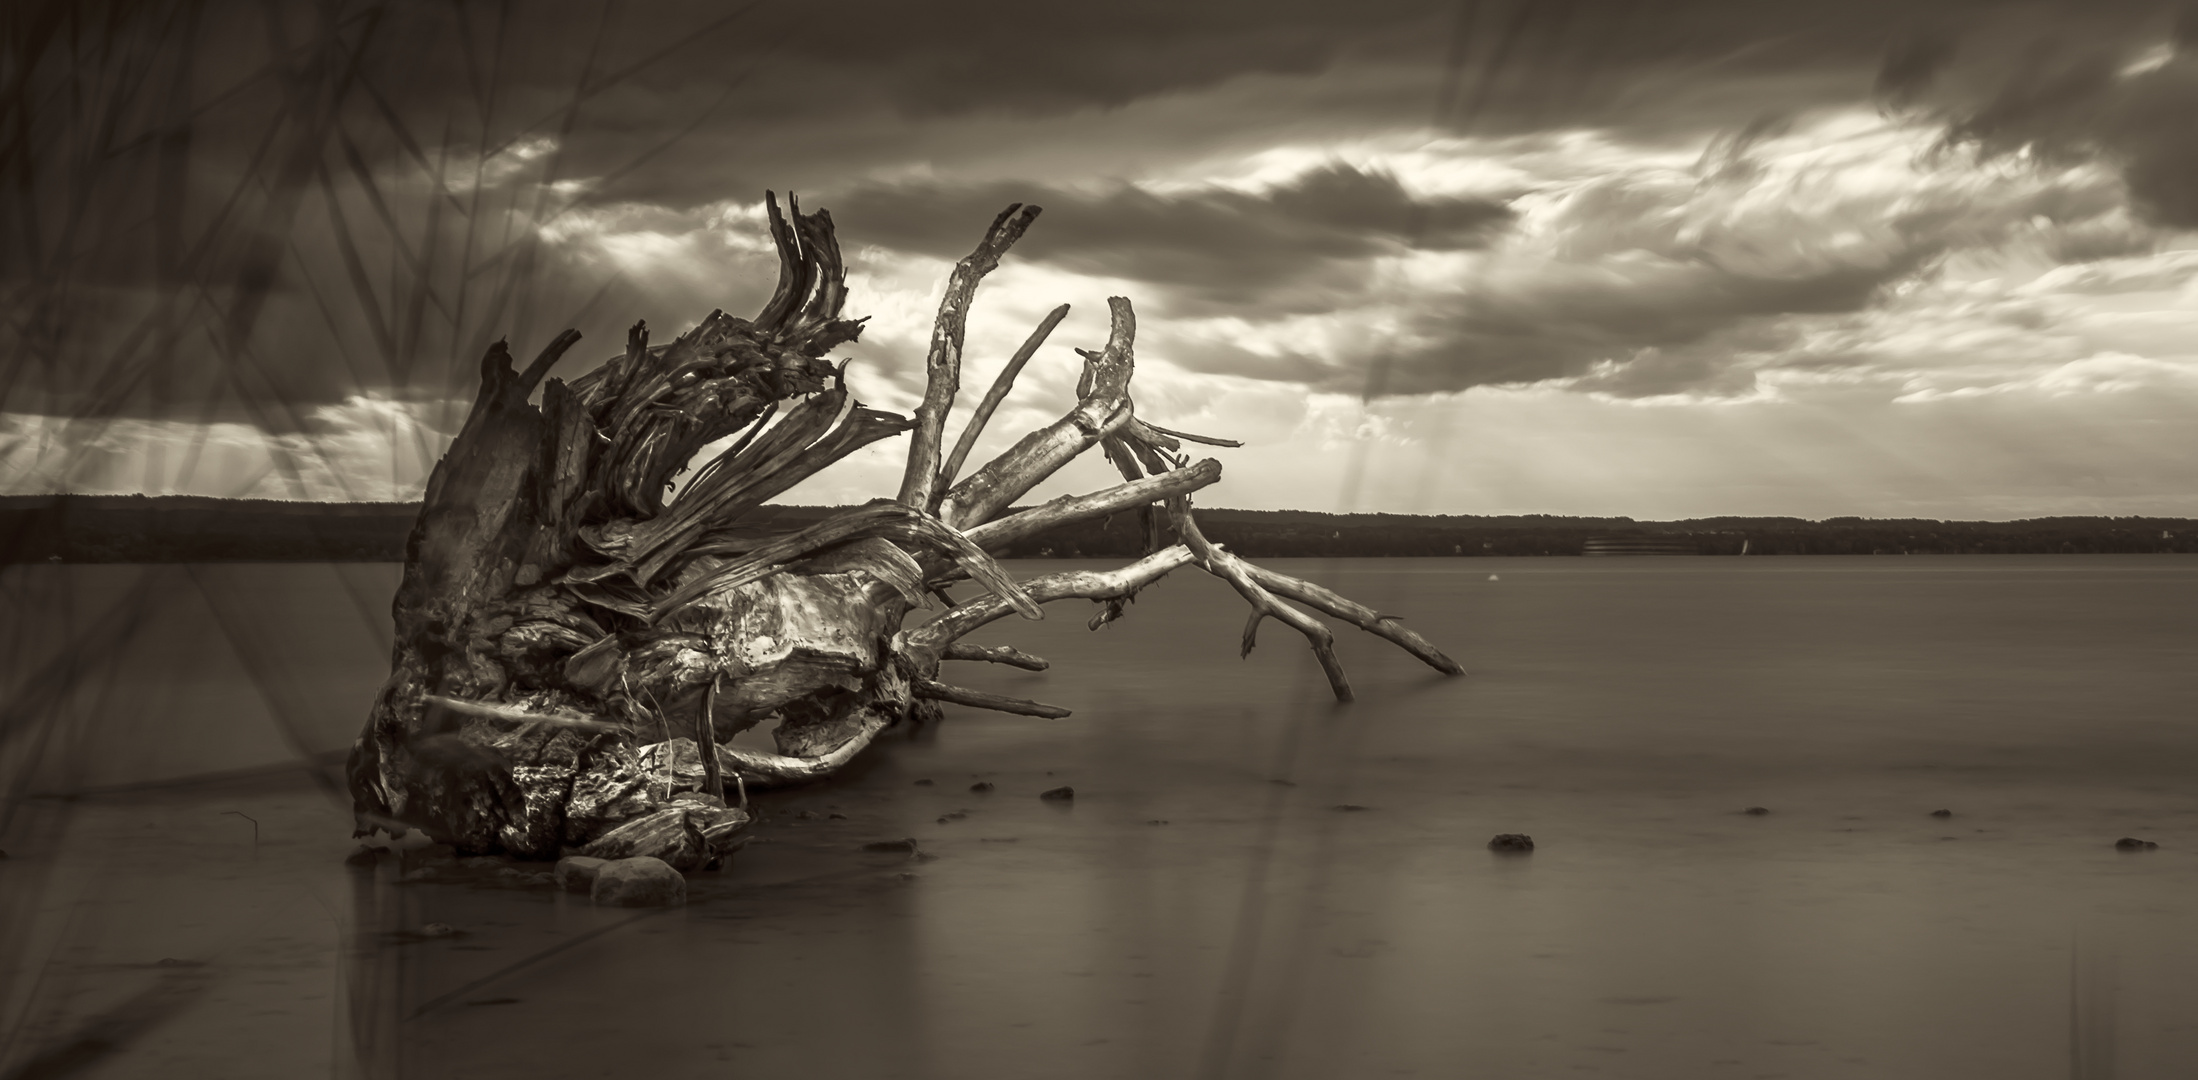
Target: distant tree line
[{"x": 135, "y": 528}]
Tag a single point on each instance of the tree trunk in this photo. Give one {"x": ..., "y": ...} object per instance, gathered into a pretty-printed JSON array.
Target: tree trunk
[{"x": 572, "y": 653}]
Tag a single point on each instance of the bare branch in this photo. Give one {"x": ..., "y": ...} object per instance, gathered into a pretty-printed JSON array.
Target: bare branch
[
  {"x": 1357, "y": 614},
  {"x": 943, "y": 364},
  {"x": 927, "y": 643},
  {"x": 1231, "y": 569},
  {"x": 978, "y": 699},
  {"x": 1209, "y": 440},
  {"x": 996, "y": 654},
  {"x": 993, "y": 535},
  {"x": 993, "y": 397},
  {"x": 764, "y": 767},
  {"x": 1104, "y": 407}
]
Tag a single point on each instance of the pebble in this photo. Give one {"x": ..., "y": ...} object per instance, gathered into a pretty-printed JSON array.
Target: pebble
[
  {"x": 1349, "y": 807},
  {"x": 2131, "y": 843},
  {"x": 981, "y": 786},
  {"x": 1062, "y": 793},
  {"x": 1511, "y": 842},
  {"x": 1755, "y": 811},
  {"x": 1942, "y": 813},
  {"x": 905, "y": 845},
  {"x": 926, "y": 782}
]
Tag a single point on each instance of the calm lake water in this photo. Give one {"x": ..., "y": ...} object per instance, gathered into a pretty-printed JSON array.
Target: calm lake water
[{"x": 1203, "y": 908}]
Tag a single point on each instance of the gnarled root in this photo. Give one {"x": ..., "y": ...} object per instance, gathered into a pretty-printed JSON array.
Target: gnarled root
[{"x": 574, "y": 652}]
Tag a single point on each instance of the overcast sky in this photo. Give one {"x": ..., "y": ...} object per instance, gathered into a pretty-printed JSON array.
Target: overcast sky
[{"x": 1659, "y": 259}]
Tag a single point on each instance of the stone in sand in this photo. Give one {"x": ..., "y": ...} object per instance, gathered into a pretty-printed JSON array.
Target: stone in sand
[
  {"x": 1511, "y": 842},
  {"x": 642, "y": 881},
  {"x": 1755, "y": 811},
  {"x": 576, "y": 873},
  {"x": 1062, "y": 793},
  {"x": 2131, "y": 843}
]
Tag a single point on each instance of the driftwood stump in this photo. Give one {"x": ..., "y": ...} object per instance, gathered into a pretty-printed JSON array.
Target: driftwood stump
[{"x": 573, "y": 653}]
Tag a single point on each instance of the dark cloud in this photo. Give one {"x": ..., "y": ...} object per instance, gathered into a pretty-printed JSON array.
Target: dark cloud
[
  {"x": 2079, "y": 98},
  {"x": 2085, "y": 109},
  {"x": 1911, "y": 65},
  {"x": 178, "y": 153},
  {"x": 1297, "y": 247}
]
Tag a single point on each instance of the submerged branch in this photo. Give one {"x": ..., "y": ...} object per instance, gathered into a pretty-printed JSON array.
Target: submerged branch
[
  {"x": 765, "y": 767},
  {"x": 995, "y": 654},
  {"x": 1233, "y": 570},
  {"x": 978, "y": 699},
  {"x": 1355, "y": 613}
]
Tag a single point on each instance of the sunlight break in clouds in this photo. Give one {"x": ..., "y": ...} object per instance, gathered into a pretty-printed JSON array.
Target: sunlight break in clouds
[
  {"x": 1731, "y": 259},
  {"x": 366, "y": 448}
]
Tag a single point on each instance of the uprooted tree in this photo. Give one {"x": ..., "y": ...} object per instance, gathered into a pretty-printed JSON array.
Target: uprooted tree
[{"x": 573, "y": 653}]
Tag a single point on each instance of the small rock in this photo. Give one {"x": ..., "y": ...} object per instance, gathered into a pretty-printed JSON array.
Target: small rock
[
  {"x": 925, "y": 782},
  {"x": 576, "y": 873},
  {"x": 981, "y": 786},
  {"x": 1755, "y": 811},
  {"x": 804, "y": 815},
  {"x": 642, "y": 881},
  {"x": 1942, "y": 813},
  {"x": 1511, "y": 842},
  {"x": 440, "y": 929},
  {"x": 837, "y": 817},
  {"x": 1062, "y": 793},
  {"x": 1349, "y": 807},
  {"x": 2131, "y": 843},
  {"x": 905, "y": 845},
  {"x": 955, "y": 816}
]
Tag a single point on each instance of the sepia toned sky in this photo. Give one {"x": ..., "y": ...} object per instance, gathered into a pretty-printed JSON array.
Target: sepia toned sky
[{"x": 1613, "y": 257}]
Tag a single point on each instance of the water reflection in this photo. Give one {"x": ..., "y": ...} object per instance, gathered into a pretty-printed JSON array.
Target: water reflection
[{"x": 1204, "y": 909}]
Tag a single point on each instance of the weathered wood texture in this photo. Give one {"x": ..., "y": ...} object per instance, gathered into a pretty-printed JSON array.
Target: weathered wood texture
[{"x": 574, "y": 649}]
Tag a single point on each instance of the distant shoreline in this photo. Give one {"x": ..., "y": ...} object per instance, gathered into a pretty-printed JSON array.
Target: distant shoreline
[{"x": 182, "y": 528}]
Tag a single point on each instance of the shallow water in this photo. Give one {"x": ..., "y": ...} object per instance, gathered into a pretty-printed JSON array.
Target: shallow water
[{"x": 1202, "y": 908}]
